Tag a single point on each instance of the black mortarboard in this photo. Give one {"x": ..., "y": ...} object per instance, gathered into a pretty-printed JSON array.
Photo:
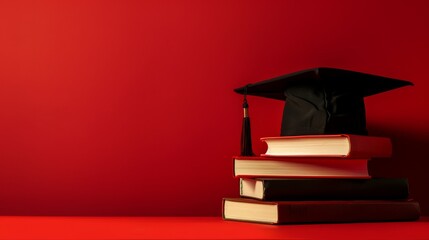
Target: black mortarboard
[{"x": 323, "y": 100}]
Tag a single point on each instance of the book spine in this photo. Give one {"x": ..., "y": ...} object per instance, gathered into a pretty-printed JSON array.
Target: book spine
[{"x": 338, "y": 189}]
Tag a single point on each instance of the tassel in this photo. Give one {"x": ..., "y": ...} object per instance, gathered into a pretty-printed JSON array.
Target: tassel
[{"x": 246, "y": 138}]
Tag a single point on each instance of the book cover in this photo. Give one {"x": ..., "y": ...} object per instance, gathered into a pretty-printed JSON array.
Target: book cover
[
  {"x": 284, "y": 212},
  {"x": 272, "y": 189}
]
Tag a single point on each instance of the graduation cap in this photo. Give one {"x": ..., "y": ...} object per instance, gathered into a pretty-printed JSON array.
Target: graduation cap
[{"x": 323, "y": 100}]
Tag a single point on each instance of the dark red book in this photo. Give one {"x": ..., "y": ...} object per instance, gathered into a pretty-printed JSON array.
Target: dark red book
[
  {"x": 300, "y": 167},
  {"x": 280, "y": 189},
  {"x": 339, "y": 145},
  {"x": 284, "y": 212}
]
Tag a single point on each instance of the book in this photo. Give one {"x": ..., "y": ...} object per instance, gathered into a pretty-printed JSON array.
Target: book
[
  {"x": 284, "y": 212},
  {"x": 299, "y": 167},
  {"x": 271, "y": 189},
  {"x": 339, "y": 145}
]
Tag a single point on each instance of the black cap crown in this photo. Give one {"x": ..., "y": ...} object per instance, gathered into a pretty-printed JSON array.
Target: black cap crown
[{"x": 323, "y": 100}]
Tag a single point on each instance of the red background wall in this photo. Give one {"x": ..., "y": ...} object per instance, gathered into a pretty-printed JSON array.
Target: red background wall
[{"x": 127, "y": 108}]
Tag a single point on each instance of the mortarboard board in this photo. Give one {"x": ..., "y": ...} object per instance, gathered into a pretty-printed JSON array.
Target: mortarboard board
[{"x": 323, "y": 100}]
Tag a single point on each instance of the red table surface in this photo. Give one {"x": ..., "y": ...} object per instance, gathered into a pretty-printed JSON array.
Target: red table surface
[{"x": 23, "y": 227}]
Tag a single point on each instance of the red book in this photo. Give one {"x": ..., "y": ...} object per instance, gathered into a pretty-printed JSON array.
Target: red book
[
  {"x": 339, "y": 145},
  {"x": 281, "y": 212},
  {"x": 299, "y": 167}
]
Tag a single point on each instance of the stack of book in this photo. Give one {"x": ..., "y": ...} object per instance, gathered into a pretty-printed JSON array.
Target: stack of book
[{"x": 318, "y": 178}]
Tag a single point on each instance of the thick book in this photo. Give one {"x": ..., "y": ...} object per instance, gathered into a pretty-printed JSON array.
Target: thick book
[
  {"x": 275, "y": 189},
  {"x": 339, "y": 145},
  {"x": 299, "y": 167},
  {"x": 285, "y": 212}
]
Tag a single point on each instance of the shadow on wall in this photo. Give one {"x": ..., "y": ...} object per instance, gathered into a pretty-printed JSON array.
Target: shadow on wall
[{"x": 409, "y": 160}]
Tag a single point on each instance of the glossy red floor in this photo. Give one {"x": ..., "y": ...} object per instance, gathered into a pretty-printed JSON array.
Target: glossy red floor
[{"x": 197, "y": 228}]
